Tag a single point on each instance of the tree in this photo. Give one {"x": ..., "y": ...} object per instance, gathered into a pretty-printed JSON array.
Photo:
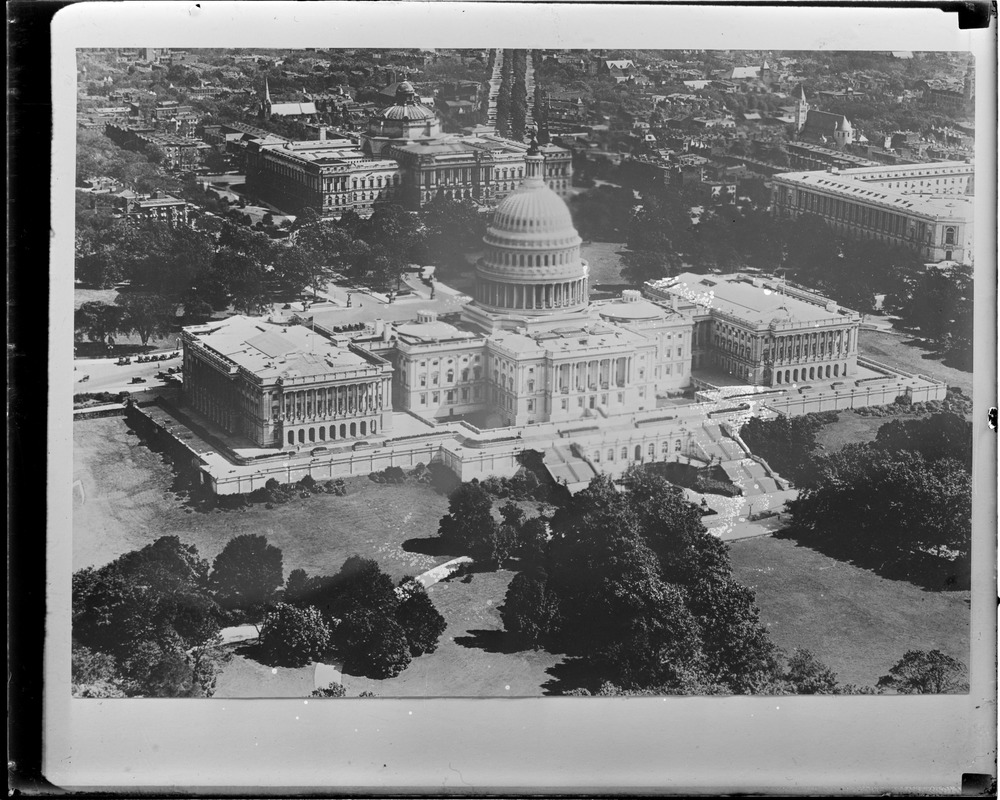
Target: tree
[
  {"x": 888, "y": 510},
  {"x": 294, "y": 636},
  {"x": 926, "y": 672},
  {"x": 150, "y": 611},
  {"x": 805, "y": 674},
  {"x": 469, "y": 524},
  {"x": 602, "y": 213},
  {"x": 320, "y": 250},
  {"x": 946, "y": 435},
  {"x": 421, "y": 622},
  {"x": 147, "y": 315},
  {"x": 247, "y": 572},
  {"x": 530, "y": 611},
  {"x": 98, "y": 321}
]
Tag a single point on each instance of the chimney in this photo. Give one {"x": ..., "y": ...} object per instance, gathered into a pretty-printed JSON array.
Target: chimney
[{"x": 322, "y": 133}]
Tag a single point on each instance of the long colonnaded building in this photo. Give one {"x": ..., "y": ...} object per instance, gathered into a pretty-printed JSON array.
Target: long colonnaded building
[
  {"x": 403, "y": 156},
  {"x": 924, "y": 207},
  {"x": 284, "y": 385}
]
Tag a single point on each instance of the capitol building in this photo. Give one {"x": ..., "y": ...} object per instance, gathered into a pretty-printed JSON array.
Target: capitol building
[{"x": 529, "y": 347}]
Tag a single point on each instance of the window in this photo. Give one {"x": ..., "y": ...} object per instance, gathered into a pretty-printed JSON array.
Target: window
[
  {"x": 423, "y": 380},
  {"x": 450, "y": 376},
  {"x": 435, "y": 397},
  {"x": 531, "y": 386},
  {"x": 423, "y": 399},
  {"x": 450, "y": 396},
  {"x": 565, "y": 405},
  {"x": 531, "y": 405}
]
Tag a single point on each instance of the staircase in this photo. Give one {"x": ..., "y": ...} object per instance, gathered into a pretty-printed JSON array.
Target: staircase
[{"x": 752, "y": 477}]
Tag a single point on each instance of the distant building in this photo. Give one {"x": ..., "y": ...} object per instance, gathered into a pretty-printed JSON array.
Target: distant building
[
  {"x": 925, "y": 207},
  {"x": 330, "y": 176},
  {"x": 270, "y": 109},
  {"x": 158, "y": 208}
]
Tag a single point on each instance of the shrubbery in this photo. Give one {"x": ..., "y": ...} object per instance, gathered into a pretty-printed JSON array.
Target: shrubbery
[{"x": 294, "y": 636}]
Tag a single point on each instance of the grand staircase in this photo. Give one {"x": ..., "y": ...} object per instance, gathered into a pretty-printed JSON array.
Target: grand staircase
[{"x": 752, "y": 477}]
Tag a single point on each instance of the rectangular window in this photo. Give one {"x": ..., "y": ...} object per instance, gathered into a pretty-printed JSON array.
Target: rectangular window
[
  {"x": 565, "y": 405},
  {"x": 465, "y": 394},
  {"x": 531, "y": 405},
  {"x": 435, "y": 397},
  {"x": 423, "y": 399}
]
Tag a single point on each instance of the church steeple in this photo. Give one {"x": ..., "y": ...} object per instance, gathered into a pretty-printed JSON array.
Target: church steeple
[{"x": 265, "y": 103}]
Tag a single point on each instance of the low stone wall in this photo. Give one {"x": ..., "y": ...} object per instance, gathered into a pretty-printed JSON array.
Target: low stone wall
[
  {"x": 875, "y": 394},
  {"x": 339, "y": 465}
]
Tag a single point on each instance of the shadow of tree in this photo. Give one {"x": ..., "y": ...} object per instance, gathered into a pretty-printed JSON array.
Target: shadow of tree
[
  {"x": 572, "y": 673},
  {"x": 492, "y": 641},
  {"x": 430, "y": 546},
  {"x": 927, "y": 572}
]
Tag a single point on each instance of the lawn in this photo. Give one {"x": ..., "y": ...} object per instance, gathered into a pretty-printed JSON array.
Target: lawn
[
  {"x": 851, "y": 619},
  {"x": 131, "y": 501},
  {"x": 852, "y": 428},
  {"x": 892, "y": 349},
  {"x": 473, "y": 658},
  {"x": 605, "y": 262}
]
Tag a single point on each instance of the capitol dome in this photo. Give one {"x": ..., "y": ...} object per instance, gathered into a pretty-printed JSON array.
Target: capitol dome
[{"x": 532, "y": 263}]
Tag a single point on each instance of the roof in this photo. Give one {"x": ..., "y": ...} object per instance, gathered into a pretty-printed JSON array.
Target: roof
[
  {"x": 743, "y": 73},
  {"x": 272, "y": 351},
  {"x": 739, "y": 297},
  {"x": 431, "y": 331},
  {"x": 825, "y": 121},
  {"x": 292, "y": 109},
  {"x": 850, "y": 184}
]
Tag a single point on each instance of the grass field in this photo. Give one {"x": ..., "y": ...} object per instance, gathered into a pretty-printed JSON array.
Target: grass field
[
  {"x": 855, "y": 622},
  {"x": 893, "y": 349},
  {"x": 472, "y": 658},
  {"x": 130, "y": 503},
  {"x": 604, "y": 261},
  {"x": 852, "y": 428}
]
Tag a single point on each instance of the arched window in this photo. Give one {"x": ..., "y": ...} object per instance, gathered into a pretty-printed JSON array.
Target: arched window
[
  {"x": 322, "y": 434},
  {"x": 836, "y": 370},
  {"x": 354, "y": 430},
  {"x": 638, "y": 452},
  {"x": 949, "y": 235},
  {"x": 449, "y": 376},
  {"x": 333, "y": 431},
  {"x": 291, "y": 437},
  {"x": 302, "y": 436},
  {"x": 677, "y": 446},
  {"x": 312, "y": 434},
  {"x": 795, "y": 376},
  {"x": 611, "y": 454},
  {"x": 343, "y": 431},
  {"x": 364, "y": 428}
]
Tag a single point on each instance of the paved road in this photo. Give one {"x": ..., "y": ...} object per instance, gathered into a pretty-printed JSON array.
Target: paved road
[{"x": 107, "y": 376}]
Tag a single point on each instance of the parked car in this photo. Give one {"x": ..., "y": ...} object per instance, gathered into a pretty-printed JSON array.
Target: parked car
[{"x": 138, "y": 379}]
